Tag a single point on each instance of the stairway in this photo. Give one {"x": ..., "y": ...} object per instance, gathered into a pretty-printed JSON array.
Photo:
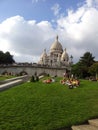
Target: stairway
[
  {"x": 93, "y": 125},
  {"x": 13, "y": 82}
]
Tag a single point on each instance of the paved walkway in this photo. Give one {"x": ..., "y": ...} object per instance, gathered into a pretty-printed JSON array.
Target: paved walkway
[
  {"x": 10, "y": 84},
  {"x": 13, "y": 82},
  {"x": 93, "y": 125}
]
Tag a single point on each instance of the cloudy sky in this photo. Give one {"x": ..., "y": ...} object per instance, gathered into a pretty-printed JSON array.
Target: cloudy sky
[{"x": 27, "y": 27}]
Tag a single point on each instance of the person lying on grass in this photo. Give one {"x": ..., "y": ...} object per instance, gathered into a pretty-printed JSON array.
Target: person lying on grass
[{"x": 48, "y": 80}]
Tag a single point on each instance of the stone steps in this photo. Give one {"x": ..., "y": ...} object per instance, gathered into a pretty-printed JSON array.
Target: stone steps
[
  {"x": 12, "y": 79},
  {"x": 13, "y": 82},
  {"x": 93, "y": 125},
  {"x": 10, "y": 84},
  {"x": 93, "y": 122}
]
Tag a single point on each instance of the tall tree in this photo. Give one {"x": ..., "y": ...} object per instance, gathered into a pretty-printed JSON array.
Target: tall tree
[
  {"x": 1, "y": 57},
  {"x": 87, "y": 59},
  {"x": 9, "y": 58},
  {"x": 93, "y": 70},
  {"x": 81, "y": 69},
  {"x": 6, "y": 58},
  {"x": 76, "y": 70}
]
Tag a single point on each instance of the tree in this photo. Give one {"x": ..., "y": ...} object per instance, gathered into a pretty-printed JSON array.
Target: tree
[
  {"x": 6, "y": 58},
  {"x": 93, "y": 70},
  {"x": 85, "y": 62},
  {"x": 81, "y": 69},
  {"x": 76, "y": 70},
  {"x": 9, "y": 58},
  {"x": 87, "y": 59}
]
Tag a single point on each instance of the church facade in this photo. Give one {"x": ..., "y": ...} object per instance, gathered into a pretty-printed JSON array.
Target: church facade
[{"x": 57, "y": 57}]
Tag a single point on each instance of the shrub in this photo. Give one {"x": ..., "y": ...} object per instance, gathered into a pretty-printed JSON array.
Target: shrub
[
  {"x": 37, "y": 78},
  {"x": 32, "y": 79}
]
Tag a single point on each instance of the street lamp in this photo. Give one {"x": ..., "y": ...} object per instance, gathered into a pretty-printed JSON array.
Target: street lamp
[
  {"x": 42, "y": 62},
  {"x": 71, "y": 62},
  {"x": 71, "y": 57}
]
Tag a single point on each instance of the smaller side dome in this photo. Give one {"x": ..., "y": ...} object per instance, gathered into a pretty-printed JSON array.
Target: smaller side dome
[
  {"x": 65, "y": 56},
  {"x": 43, "y": 57},
  {"x": 44, "y": 54}
]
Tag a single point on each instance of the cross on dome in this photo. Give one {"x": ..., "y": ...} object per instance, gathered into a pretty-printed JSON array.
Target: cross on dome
[{"x": 57, "y": 37}]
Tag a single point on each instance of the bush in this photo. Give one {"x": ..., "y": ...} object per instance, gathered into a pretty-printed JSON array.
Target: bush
[
  {"x": 37, "y": 78},
  {"x": 32, "y": 79}
]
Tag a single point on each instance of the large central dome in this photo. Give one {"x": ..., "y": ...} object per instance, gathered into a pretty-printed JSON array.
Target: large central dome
[{"x": 56, "y": 46}]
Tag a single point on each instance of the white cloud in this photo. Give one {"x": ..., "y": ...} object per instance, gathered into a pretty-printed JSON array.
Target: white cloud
[
  {"x": 91, "y": 3},
  {"x": 36, "y": 1},
  {"x": 24, "y": 37},
  {"x": 81, "y": 29},
  {"x": 56, "y": 9},
  {"x": 78, "y": 33}
]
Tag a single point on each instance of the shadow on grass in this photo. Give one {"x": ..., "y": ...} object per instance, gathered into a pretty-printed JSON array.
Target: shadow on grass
[
  {"x": 64, "y": 128},
  {"x": 83, "y": 123}
]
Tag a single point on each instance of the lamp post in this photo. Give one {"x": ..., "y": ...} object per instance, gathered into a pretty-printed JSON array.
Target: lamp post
[
  {"x": 42, "y": 62},
  {"x": 71, "y": 57},
  {"x": 71, "y": 62}
]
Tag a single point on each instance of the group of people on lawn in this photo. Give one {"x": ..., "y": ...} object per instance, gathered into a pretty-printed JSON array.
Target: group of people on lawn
[{"x": 71, "y": 82}]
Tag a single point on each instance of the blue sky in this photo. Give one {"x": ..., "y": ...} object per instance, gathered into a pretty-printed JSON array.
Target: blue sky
[
  {"x": 27, "y": 27},
  {"x": 35, "y": 9}
]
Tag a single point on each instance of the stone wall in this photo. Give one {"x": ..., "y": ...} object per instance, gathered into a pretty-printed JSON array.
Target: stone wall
[{"x": 31, "y": 70}]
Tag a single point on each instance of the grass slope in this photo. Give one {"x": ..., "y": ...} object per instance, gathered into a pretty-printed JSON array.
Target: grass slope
[
  {"x": 38, "y": 106},
  {"x": 6, "y": 77}
]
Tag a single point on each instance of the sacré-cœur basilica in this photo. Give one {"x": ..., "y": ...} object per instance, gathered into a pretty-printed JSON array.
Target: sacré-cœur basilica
[{"x": 57, "y": 57}]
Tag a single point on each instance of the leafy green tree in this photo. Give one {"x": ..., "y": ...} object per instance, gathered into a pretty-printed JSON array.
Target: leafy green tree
[
  {"x": 93, "y": 70},
  {"x": 6, "y": 58},
  {"x": 87, "y": 59},
  {"x": 85, "y": 62},
  {"x": 81, "y": 69},
  {"x": 9, "y": 58},
  {"x": 76, "y": 70},
  {"x": 1, "y": 57}
]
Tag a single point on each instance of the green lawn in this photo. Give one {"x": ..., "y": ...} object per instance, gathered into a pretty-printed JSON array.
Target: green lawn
[
  {"x": 4, "y": 77},
  {"x": 39, "y": 106}
]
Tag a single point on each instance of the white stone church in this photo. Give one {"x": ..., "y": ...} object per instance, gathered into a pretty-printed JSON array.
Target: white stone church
[{"x": 57, "y": 57}]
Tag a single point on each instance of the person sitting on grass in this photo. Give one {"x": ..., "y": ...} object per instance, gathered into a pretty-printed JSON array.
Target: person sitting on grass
[
  {"x": 69, "y": 83},
  {"x": 63, "y": 81}
]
